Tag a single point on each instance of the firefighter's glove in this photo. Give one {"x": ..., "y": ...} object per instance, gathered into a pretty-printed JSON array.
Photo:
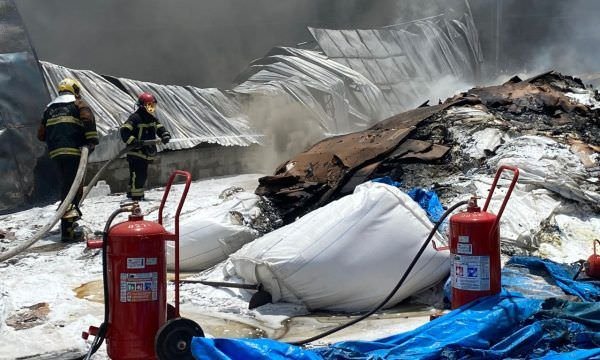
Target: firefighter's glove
[
  {"x": 165, "y": 138},
  {"x": 91, "y": 147}
]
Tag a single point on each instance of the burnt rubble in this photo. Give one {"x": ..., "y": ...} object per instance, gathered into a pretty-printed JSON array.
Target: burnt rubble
[{"x": 425, "y": 146}]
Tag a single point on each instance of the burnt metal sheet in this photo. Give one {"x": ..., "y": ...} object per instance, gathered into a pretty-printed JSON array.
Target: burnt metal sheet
[
  {"x": 334, "y": 166},
  {"x": 322, "y": 170},
  {"x": 433, "y": 153}
]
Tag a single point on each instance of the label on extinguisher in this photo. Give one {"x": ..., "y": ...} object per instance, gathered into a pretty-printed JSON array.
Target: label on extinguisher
[
  {"x": 136, "y": 287},
  {"x": 464, "y": 249},
  {"x": 135, "y": 263},
  {"x": 470, "y": 272}
]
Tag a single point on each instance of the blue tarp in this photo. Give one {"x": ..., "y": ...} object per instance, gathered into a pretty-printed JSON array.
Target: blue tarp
[
  {"x": 562, "y": 274},
  {"x": 507, "y": 325},
  {"x": 427, "y": 199}
]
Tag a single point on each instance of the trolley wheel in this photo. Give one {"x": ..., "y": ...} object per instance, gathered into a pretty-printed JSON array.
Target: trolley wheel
[{"x": 173, "y": 340}]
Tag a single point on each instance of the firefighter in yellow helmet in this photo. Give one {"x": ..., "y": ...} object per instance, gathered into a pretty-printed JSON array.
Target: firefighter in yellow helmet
[{"x": 68, "y": 124}]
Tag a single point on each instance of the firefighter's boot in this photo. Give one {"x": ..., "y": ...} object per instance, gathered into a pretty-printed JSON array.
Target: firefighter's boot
[{"x": 69, "y": 229}]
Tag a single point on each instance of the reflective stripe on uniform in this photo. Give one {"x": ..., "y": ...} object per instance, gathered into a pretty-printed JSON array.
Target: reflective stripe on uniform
[
  {"x": 143, "y": 125},
  {"x": 64, "y": 120},
  {"x": 130, "y": 140},
  {"x": 128, "y": 126},
  {"x": 64, "y": 151},
  {"x": 91, "y": 135},
  {"x": 137, "y": 192}
]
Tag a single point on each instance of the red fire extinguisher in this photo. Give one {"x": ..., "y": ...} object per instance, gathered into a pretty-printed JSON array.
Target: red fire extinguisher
[
  {"x": 475, "y": 247},
  {"x": 592, "y": 265},
  {"x": 137, "y": 323}
]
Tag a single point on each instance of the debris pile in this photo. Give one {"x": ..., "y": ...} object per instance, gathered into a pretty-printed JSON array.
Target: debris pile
[{"x": 548, "y": 125}]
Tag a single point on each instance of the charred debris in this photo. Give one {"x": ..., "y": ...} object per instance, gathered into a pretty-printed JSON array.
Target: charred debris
[{"x": 420, "y": 147}]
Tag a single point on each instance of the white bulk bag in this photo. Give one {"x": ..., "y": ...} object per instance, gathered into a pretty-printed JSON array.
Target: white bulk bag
[
  {"x": 208, "y": 235},
  {"x": 348, "y": 255}
]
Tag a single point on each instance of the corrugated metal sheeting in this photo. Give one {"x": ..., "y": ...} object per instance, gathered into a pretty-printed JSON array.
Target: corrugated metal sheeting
[
  {"x": 194, "y": 114},
  {"x": 340, "y": 99},
  {"x": 405, "y": 61}
]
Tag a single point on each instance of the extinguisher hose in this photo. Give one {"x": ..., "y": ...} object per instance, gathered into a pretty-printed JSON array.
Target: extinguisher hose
[
  {"x": 398, "y": 285},
  {"x": 99, "y": 339}
]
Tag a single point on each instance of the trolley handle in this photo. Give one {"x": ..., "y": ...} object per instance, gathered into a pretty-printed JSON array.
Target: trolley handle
[
  {"x": 188, "y": 181},
  {"x": 515, "y": 171}
]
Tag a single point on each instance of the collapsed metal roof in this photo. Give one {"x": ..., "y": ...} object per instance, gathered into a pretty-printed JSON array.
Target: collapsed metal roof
[
  {"x": 405, "y": 61},
  {"x": 340, "y": 99},
  {"x": 190, "y": 113}
]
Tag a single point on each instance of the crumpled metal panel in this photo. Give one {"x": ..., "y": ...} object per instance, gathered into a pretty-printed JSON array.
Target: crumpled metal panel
[
  {"x": 404, "y": 61},
  {"x": 340, "y": 99}
]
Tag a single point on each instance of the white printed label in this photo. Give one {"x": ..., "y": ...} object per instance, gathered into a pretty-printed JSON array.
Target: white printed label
[
  {"x": 470, "y": 272},
  {"x": 135, "y": 263},
  {"x": 138, "y": 287},
  {"x": 463, "y": 239},
  {"x": 464, "y": 249},
  {"x": 151, "y": 261}
]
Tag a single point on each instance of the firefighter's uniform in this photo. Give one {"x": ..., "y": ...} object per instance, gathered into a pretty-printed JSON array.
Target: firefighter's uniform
[
  {"x": 67, "y": 125},
  {"x": 140, "y": 126}
]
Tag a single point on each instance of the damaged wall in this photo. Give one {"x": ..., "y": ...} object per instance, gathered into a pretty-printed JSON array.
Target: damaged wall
[{"x": 203, "y": 161}]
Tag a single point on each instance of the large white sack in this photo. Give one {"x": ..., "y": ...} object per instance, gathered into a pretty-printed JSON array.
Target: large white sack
[
  {"x": 209, "y": 235},
  {"x": 348, "y": 255}
]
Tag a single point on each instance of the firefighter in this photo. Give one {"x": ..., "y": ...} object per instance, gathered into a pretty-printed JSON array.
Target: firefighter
[
  {"x": 142, "y": 125},
  {"x": 68, "y": 124}
]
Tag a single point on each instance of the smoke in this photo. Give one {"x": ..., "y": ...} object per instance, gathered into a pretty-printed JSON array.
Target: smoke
[
  {"x": 183, "y": 42},
  {"x": 532, "y": 36},
  {"x": 288, "y": 128}
]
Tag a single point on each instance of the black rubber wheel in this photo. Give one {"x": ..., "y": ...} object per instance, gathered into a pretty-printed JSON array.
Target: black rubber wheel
[{"x": 173, "y": 340}]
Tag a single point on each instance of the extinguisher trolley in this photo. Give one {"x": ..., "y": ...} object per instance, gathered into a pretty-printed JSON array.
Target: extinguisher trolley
[
  {"x": 475, "y": 247},
  {"x": 137, "y": 282}
]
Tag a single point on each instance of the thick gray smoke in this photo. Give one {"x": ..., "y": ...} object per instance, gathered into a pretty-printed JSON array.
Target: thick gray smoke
[
  {"x": 207, "y": 43},
  {"x": 531, "y": 36},
  {"x": 184, "y": 42}
]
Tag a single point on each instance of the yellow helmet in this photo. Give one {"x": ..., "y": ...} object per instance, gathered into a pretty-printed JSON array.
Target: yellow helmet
[{"x": 70, "y": 85}]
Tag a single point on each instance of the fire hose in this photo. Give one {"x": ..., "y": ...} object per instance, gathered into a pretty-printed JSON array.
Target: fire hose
[
  {"x": 59, "y": 213},
  {"x": 70, "y": 196},
  {"x": 96, "y": 177}
]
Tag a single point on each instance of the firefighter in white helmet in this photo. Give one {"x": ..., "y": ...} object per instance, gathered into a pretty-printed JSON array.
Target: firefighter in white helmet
[{"x": 67, "y": 125}]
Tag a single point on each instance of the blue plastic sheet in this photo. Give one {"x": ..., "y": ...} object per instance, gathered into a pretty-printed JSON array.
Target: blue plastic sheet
[
  {"x": 537, "y": 325},
  {"x": 562, "y": 274},
  {"x": 427, "y": 199},
  {"x": 507, "y": 325}
]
